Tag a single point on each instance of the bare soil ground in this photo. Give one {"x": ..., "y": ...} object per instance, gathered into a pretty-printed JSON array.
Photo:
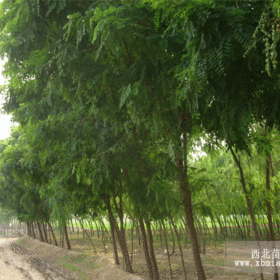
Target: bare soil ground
[
  {"x": 81, "y": 262},
  {"x": 13, "y": 266}
]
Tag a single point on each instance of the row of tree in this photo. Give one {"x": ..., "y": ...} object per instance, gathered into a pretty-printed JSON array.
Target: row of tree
[{"x": 113, "y": 96}]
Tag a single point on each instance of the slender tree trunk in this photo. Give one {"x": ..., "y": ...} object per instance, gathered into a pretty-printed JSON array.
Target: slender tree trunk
[
  {"x": 190, "y": 221},
  {"x": 160, "y": 235},
  {"x": 87, "y": 235},
  {"x": 121, "y": 232},
  {"x": 45, "y": 232},
  {"x": 66, "y": 236},
  {"x": 151, "y": 250},
  {"x": 244, "y": 226},
  {"x": 40, "y": 232},
  {"x": 248, "y": 200},
  {"x": 267, "y": 202},
  {"x": 120, "y": 236},
  {"x": 73, "y": 230},
  {"x": 97, "y": 229},
  {"x": 28, "y": 225},
  {"x": 238, "y": 225},
  {"x": 221, "y": 226},
  {"x": 179, "y": 245},
  {"x": 52, "y": 233},
  {"x": 172, "y": 237},
  {"x": 62, "y": 237},
  {"x": 33, "y": 230},
  {"x": 206, "y": 227},
  {"x": 146, "y": 250},
  {"x": 182, "y": 166},
  {"x": 132, "y": 227},
  {"x": 166, "y": 245},
  {"x": 249, "y": 203},
  {"x": 114, "y": 243},
  {"x": 203, "y": 241},
  {"x": 102, "y": 225}
]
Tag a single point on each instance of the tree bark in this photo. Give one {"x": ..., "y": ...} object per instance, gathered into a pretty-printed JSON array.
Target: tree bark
[
  {"x": 179, "y": 245},
  {"x": 166, "y": 245},
  {"x": 28, "y": 225},
  {"x": 120, "y": 236},
  {"x": 104, "y": 228},
  {"x": 62, "y": 237},
  {"x": 189, "y": 219},
  {"x": 182, "y": 166},
  {"x": 172, "y": 236},
  {"x": 248, "y": 200},
  {"x": 40, "y": 232},
  {"x": 87, "y": 235},
  {"x": 267, "y": 202},
  {"x": 114, "y": 243},
  {"x": 33, "y": 230},
  {"x": 66, "y": 236},
  {"x": 249, "y": 203},
  {"x": 146, "y": 250},
  {"x": 52, "y": 233},
  {"x": 151, "y": 250},
  {"x": 45, "y": 233}
]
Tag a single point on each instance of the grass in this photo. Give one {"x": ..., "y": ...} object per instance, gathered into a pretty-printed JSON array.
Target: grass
[
  {"x": 69, "y": 266},
  {"x": 76, "y": 259},
  {"x": 20, "y": 241}
]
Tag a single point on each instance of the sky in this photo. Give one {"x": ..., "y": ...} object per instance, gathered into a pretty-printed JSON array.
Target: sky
[{"x": 5, "y": 120}]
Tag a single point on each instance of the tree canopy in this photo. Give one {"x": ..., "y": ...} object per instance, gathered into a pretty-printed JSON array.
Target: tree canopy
[{"x": 111, "y": 97}]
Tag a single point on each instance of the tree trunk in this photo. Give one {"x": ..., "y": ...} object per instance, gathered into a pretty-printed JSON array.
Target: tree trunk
[
  {"x": 151, "y": 250},
  {"x": 104, "y": 228},
  {"x": 66, "y": 236},
  {"x": 52, "y": 233},
  {"x": 28, "y": 225},
  {"x": 114, "y": 243},
  {"x": 189, "y": 219},
  {"x": 40, "y": 232},
  {"x": 131, "y": 256},
  {"x": 166, "y": 245},
  {"x": 62, "y": 237},
  {"x": 249, "y": 203},
  {"x": 121, "y": 232},
  {"x": 73, "y": 230},
  {"x": 267, "y": 202},
  {"x": 173, "y": 239},
  {"x": 179, "y": 245},
  {"x": 33, "y": 230},
  {"x": 203, "y": 241},
  {"x": 97, "y": 228},
  {"x": 146, "y": 250},
  {"x": 160, "y": 235},
  {"x": 120, "y": 236},
  {"x": 248, "y": 200},
  {"x": 45, "y": 232},
  {"x": 87, "y": 235},
  {"x": 238, "y": 225},
  {"x": 221, "y": 226},
  {"x": 182, "y": 166}
]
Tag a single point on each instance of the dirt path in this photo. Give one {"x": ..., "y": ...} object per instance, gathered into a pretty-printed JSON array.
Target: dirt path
[
  {"x": 28, "y": 258},
  {"x": 12, "y": 266}
]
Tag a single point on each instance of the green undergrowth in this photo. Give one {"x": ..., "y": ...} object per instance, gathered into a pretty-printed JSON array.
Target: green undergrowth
[{"x": 22, "y": 242}]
